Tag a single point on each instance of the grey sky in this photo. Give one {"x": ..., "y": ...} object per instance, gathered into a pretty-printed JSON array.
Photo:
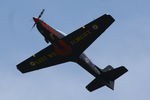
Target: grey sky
[{"x": 126, "y": 42}]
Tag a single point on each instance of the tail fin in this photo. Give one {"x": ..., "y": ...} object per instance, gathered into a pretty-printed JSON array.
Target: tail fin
[{"x": 107, "y": 77}]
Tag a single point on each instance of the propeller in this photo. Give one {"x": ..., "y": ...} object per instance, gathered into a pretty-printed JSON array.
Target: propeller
[
  {"x": 36, "y": 19},
  {"x": 41, "y": 13}
]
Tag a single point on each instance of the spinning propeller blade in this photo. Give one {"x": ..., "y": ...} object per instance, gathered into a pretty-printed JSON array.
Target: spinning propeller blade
[
  {"x": 41, "y": 13},
  {"x": 37, "y": 19},
  {"x": 33, "y": 25}
]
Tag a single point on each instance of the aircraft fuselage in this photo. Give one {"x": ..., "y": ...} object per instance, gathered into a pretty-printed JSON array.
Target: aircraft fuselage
[{"x": 52, "y": 35}]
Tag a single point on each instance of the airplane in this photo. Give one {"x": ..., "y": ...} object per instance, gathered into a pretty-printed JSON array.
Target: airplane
[{"x": 70, "y": 48}]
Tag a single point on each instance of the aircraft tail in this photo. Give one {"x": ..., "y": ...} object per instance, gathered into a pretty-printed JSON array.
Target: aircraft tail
[{"x": 106, "y": 78}]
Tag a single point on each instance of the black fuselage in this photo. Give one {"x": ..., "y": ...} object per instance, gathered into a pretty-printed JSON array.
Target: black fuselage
[{"x": 52, "y": 35}]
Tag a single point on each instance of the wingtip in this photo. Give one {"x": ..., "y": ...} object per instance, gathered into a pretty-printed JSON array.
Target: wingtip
[{"x": 124, "y": 68}]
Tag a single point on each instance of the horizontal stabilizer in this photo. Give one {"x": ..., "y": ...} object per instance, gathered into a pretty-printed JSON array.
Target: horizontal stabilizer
[
  {"x": 115, "y": 73},
  {"x": 107, "y": 77},
  {"x": 95, "y": 84}
]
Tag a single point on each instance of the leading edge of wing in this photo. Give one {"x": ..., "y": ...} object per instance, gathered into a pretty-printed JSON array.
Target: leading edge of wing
[{"x": 45, "y": 58}]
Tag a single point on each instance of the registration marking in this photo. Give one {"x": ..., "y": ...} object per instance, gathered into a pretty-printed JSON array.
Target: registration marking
[{"x": 80, "y": 38}]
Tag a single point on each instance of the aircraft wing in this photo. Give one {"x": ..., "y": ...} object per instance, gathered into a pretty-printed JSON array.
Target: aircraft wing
[
  {"x": 71, "y": 46},
  {"x": 45, "y": 58},
  {"x": 86, "y": 35}
]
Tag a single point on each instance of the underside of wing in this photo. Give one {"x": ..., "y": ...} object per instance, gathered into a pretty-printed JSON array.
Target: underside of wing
[
  {"x": 86, "y": 35},
  {"x": 45, "y": 58}
]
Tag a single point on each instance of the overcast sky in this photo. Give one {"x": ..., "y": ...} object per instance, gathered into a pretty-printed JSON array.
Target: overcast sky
[{"x": 126, "y": 42}]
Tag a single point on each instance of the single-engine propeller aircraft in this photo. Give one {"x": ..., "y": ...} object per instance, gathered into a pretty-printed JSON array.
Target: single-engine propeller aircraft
[{"x": 70, "y": 48}]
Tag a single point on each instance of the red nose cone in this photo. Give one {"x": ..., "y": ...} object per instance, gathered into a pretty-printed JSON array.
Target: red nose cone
[{"x": 36, "y": 20}]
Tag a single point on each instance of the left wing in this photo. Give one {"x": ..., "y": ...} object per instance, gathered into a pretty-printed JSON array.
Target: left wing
[
  {"x": 82, "y": 38},
  {"x": 45, "y": 58}
]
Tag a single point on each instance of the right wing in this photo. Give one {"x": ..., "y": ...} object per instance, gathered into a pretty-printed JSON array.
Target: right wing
[{"x": 45, "y": 58}]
